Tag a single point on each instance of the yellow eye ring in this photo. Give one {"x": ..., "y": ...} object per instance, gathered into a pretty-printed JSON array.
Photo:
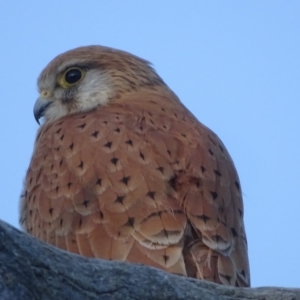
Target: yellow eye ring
[{"x": 71, "y": 77}]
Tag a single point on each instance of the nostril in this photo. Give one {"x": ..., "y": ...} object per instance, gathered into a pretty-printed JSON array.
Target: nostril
[{"x": 45, "y": 94}]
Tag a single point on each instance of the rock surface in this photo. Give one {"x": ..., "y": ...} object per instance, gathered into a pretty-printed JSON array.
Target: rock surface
[{"x": 31, "y": 269}]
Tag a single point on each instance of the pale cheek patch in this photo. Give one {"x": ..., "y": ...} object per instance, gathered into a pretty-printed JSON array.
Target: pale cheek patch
[
  {"x": 94, "y": 90},
  {"x": 55, "y": 111}
]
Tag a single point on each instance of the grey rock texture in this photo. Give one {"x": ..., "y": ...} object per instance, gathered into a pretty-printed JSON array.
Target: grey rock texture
[{"x": 31, "y": 269}]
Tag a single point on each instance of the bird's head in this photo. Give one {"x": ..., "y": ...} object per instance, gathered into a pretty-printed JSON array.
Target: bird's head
[{"x": 84, "y": 78}]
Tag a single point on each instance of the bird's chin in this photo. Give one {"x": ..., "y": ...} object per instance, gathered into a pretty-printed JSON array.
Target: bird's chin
[{"x": 54, "y": 112}]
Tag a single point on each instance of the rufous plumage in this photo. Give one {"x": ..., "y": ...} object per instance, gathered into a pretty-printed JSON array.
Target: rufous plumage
[{"x": 121, "y": 170}]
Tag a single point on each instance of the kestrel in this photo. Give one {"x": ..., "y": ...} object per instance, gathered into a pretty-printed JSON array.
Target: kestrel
[{"x": 121, "y": 170}]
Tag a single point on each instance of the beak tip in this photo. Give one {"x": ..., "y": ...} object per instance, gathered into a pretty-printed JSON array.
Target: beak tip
[
  {"x": 40, "y": 107},
  {"x": 37, "y": 117},
  {"x": 37, "y": 120}
]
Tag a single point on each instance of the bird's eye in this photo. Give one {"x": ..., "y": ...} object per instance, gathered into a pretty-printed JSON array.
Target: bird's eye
[
  {"x": 70, "y": 77},
  {"x": 73, "y": 75}
]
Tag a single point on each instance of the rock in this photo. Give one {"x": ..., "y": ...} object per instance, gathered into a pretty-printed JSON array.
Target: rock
[{"x": 31, "y": 269}]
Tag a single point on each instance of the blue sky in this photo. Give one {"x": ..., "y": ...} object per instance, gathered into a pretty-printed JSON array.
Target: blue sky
[{"x": 234, "y": 64}]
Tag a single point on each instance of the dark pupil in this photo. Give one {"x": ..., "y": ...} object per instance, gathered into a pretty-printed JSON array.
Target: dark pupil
[{"x": 72, "y": 76}]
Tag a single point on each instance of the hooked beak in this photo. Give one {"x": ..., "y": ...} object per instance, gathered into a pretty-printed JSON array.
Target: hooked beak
[{"x": 40, "y": 107}]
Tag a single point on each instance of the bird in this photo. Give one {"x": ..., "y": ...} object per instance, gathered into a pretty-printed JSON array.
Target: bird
[{"x": 122, "y": 170}]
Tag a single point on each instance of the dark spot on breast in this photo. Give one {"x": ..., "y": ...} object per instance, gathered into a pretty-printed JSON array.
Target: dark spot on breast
[
  {"x": 120, "y": 199},
  {"x": 50, "y": 211},
  {"x": 81, "y": 126},
  {"x": 173, "y": 182},
  {"x": 227, "y": 277},
  {"x": 204, "y": 218},
  {"x": 210, "y": 152},
  {"x": 117, "y": 130},
  {"x": 125, "y": 179},
  {"x": 71, "y": 146},
  {"x": 237, "y": 185},
  {"x": 130, "y": 222},
  {"x": 99, "y": 181},
  {"x": 214, "y": 195},
  {"x": 85, "y": 203},
  {"x": 166, "y": 258},
  {"x": 142, "y": 156},
  {"x": 217, "y": 172},
  {"x": 114, "y": 160},
  {"x": 108, "y": 145},
  {"x": 233, "y": 231},
  {"x": 240, "y": 212},
  {"x": 198, "y": 182},
  {"x": 151, "y": 194},
  {"x": 95, "y": 133},
  {"x": 80, "y": 165},
  {"x": 161, "y": 169},
  {"x": 129, "y": 142}
]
